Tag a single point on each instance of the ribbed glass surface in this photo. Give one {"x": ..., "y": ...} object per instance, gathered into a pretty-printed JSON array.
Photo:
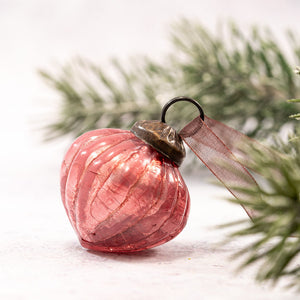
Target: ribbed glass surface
[{"x": 120, "y": 194}]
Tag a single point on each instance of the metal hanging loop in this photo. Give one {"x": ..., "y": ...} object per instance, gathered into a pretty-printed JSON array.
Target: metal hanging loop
[{"x": 178, "y": 99}]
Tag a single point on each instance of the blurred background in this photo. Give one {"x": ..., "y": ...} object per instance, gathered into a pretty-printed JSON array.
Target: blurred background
[{"x": 47, "y": 34}]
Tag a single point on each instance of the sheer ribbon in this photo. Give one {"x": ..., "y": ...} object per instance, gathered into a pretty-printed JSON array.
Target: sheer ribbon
[{"x": 219, "y": 147}]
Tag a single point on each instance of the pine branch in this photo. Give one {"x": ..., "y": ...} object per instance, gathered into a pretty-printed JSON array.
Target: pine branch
[
  {"x": 236, "y": 77},
  {"x": 90, "y": 99},
  {"x": 277, "y": 224},
  {"x": 277, "y": 205}
]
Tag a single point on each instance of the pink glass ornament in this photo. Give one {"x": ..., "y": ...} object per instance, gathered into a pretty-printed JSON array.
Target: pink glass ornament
[{"x": 121, "y": 194}]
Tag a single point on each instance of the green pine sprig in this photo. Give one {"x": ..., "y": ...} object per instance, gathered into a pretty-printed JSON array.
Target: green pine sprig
[
  {"x": 237, "y": 77},
  {"x": 276, "y": 226}
]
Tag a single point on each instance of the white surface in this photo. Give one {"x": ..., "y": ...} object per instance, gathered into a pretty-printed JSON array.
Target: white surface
[{"x": 40, "y": 257}]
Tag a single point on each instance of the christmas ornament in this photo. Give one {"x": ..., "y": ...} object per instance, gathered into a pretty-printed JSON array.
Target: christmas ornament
[{"x": 122, "y": 190}]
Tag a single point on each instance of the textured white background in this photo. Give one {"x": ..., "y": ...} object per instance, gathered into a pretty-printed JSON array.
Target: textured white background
[{"x": 40, "y": 257}]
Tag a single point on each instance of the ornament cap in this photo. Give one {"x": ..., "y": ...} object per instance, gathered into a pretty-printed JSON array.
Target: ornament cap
[{"x": 162, "y": 138}]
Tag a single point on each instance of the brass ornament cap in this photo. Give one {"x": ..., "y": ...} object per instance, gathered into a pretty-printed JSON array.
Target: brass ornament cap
[{"x": 162, "y": 138}]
